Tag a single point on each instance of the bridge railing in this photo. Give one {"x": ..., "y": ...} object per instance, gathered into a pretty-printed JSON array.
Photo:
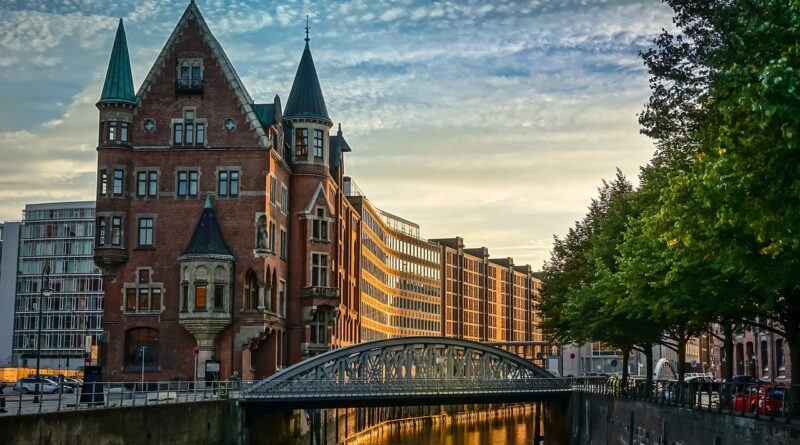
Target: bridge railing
[
  {"x": 759, "y": 400},
  {"x": 337, "y": 389},
  {"x": 103, "y": 395}
]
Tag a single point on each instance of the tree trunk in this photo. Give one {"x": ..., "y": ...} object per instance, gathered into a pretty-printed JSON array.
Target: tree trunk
[
  {"x": 626, "y": 355},
  {"x": 682, "y": 340},
  {"x": 648, "y": 355},
  {"x": 729, "y": 362},
  {"x": 793, "y": 339}
]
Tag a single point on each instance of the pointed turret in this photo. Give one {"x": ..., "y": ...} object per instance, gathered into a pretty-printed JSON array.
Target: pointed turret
[
  {"x": 305, "y": 99},
  {"x": 207, "y": 240},
  {"x": 118, "y": 87}
]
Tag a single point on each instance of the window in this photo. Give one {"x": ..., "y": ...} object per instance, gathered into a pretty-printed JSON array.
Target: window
[
  {"x": 301, "y": 142},
  {"x": 119, "y": 175},
  {"x": 143, "y": 295},
  {"x": 112, "y": 131},
  {"x": 200, "y": 137},
  {"x": 222, "y": 186},
  {"x": 177, "y": 133},
  {"x": 123, "y": 132},
  {"x": 102, "y": 183},
  {"x": 228, "y": 183},
  {"x": 147, "y": 184},
  {"x": 141, "y": 347},
  {"x": 284, "y": 199},
  {"x": 200, "y": 297},
  {"x": 116, "y": 230},
  {"x": 188, "y": 131},
  {"x": 780, "y": 359},
  {"x": 187, "y": 183},
  {"x": 184, "y": 297},
  {"x": 190, "y": 75},
  {"x": 273, "y": 189},
  {"x": 101, "y": 231},
  {"x": 319, "y": 227},
  {"x": 317, "y": 143},
  {"x": 319, "y": 327},
  {"x": 283, "y": 244},
  {"x": 219, "y": 293},
  {"x": 319, "y": 269},
  {"x": 145, "y": 232},
  {"x": 272, "y": 236},
  {"x": 250, "y": 299},
  {"x": 282, "y": 298}
]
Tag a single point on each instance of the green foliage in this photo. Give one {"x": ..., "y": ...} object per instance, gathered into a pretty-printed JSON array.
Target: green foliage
[{"x": 712, "y": 234}]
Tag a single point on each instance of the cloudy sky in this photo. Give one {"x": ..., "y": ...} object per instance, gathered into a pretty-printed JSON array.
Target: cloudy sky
[{"x": 494, "y": 121}]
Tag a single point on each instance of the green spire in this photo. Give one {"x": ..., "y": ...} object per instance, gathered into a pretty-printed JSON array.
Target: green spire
[{"x": 119, "y": 80}]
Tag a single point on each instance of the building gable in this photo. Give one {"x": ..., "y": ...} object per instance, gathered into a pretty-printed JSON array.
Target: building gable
[{"x": 192, "y": 37}]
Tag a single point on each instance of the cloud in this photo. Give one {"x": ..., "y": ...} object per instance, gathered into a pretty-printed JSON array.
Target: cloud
[{"x": 492, "y": 121}]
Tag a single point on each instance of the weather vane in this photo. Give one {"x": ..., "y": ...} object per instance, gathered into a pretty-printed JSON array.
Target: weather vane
[{"x": 307, "y": 29}]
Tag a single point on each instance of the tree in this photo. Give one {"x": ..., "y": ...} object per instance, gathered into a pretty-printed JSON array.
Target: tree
[{"x": 726, "y": 94}]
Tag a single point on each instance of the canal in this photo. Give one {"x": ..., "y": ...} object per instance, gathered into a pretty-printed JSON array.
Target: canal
[
  {"x": 510, "y": 426},
  {"x": 540, "y": 423}
]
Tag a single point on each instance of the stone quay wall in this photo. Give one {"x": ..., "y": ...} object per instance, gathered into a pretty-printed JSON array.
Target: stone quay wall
[{"x": 597, "y": 419}]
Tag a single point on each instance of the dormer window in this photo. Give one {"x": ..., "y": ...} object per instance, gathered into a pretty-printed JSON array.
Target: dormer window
[
  {"x": 189, "y": 76},
  {"x": 319, "y": 227}
]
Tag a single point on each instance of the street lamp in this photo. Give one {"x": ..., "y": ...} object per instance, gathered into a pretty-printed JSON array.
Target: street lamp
[
  {"x": 46, "y": 292},
  {"x": 142, "y": 352}
]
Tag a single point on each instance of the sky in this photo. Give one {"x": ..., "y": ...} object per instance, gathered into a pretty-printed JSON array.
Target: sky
[{"x": 493, "y": 121}]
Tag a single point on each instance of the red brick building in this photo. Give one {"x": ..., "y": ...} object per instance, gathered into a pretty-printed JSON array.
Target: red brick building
[{"x": 221, "y": 224}]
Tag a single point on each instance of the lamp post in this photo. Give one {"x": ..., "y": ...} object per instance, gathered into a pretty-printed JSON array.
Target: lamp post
[
  {"x": 46, "y": 292},
  {"x": 142, "y": 351}
]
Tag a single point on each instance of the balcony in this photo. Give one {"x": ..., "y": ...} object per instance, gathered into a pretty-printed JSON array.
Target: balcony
[
  {"x": 320, "y": 292},
  {"x": 188, "y": 85}
]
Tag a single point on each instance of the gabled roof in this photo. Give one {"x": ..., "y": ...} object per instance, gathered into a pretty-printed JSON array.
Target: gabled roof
[
  {"x": 305, "y": 99},
  {"x": 207, "y": 240},
  {"x": 118, "y": 86},
  {"x": 192, "y": 12},
  {"x": 320, "y": 191}
]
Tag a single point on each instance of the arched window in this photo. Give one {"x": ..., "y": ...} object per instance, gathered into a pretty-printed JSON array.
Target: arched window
[
  {"x": 250, "y": 290},
  {"x": 141, "y": 344}
]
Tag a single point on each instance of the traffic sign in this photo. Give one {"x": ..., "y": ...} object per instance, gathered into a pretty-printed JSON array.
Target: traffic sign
[
  {"x": 572, "y": 355},
  {"x": 196, "y": 351}
]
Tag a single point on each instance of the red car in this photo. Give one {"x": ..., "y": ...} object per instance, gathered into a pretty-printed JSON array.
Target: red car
[{"x": 762, "y": 399}]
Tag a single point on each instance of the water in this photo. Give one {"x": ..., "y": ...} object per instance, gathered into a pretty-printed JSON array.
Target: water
[{"x": 506, "y": 427}]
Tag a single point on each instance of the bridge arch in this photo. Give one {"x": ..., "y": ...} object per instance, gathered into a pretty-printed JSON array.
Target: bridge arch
[{"x": 404, "y": 365}]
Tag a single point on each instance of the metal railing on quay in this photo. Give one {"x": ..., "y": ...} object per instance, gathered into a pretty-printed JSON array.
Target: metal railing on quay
[
  {"x": 102, "y": 395},
  {"x": 757, "y": 400}
]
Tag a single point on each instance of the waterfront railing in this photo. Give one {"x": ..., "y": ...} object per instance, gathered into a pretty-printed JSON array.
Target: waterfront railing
[
  {"x": 758, "y": 400},
  {"x": 102, "y": 395}
]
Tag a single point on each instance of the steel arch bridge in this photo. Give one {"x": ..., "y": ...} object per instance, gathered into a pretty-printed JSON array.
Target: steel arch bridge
[{"x": 407, "y": 371}]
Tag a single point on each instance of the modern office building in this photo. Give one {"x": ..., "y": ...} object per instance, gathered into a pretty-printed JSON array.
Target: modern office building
[
  {"x": 9, "y": 251},
  {"x": 58, "y": 236},
  {"x": 400, "y": 274}
]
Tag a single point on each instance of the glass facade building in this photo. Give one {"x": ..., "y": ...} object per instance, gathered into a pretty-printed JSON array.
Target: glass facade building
[
  {"x": 400, "y": 275},
  {"x": 62, "y": 236}
]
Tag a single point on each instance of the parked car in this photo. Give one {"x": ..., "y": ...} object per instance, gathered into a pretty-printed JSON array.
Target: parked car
[
  {"x": 764, "y": 399},
  {"x": 28, "y": 385}
]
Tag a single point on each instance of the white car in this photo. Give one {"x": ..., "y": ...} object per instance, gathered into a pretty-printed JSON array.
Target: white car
[{"x": 28, "y": 386}]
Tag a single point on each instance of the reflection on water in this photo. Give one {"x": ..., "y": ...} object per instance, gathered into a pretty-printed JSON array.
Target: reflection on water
[{"x": 505, "y": 427}]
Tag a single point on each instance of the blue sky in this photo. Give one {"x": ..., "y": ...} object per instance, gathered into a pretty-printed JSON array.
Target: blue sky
[{"x": 494, "y": 121}]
